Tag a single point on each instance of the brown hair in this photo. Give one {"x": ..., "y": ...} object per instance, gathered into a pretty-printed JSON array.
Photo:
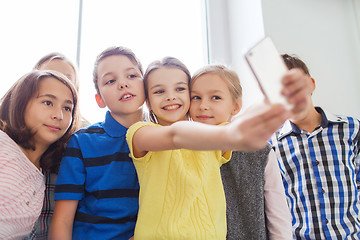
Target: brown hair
[
  {"x": 111, "y": 51},
  {"x": 166, "y": 62},
  {"x": 228, "y": 75},
  {"x": 295, "y": 62},
  {"x": 12, "y": 121},
  {"x": 53, "y": 56}
]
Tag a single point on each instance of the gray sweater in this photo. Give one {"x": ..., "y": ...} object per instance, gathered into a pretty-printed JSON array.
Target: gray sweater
[{"x": 243, "y": 180}]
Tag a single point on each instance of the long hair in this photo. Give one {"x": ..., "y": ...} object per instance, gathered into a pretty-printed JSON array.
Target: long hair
[{"x": 12, "y": 120}]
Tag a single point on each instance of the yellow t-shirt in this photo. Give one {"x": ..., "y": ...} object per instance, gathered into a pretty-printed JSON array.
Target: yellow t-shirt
[{"x": 181, "y": 193}]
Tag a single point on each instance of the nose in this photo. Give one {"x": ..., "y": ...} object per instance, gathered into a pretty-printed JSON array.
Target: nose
[
  {"x": 57, "y": 114},
  {"x": 204, "y": 105},
  {"x": 170, "y": 98},
  {"x": 123, "y": 84}
]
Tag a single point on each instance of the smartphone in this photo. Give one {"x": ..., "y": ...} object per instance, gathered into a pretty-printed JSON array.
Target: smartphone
[{"x": 268, "y": 68}]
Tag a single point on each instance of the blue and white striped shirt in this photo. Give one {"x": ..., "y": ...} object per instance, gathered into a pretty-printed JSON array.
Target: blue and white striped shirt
[{"x": 321, "y": 177}]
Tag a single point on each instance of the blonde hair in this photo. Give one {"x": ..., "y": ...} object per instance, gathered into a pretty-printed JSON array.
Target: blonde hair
[{"x": 229, "y": 76}]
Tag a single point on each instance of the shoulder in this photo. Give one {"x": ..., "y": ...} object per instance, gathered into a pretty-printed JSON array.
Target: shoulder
[
  {"x": 7, "y": 143},
  {"x": 94, "y": 128},
  {"x": 260, "y": 154},
  {"x": 136, "y": 126}
]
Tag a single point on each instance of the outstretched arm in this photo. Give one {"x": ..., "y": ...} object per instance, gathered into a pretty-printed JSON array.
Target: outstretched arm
[{"x": 248, "y": 132}]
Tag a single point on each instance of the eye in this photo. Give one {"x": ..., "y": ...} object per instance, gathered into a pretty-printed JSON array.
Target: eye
[
  {"x": 68, "y": 109},
  {"x": 131, "y": 76},
  {"x": 159, "y": 92},
  {"x": 195, "y": 98},
  {"x": 179, "y": 89},
  {"x": 48, "y": 103},
  {"x": 215, "y": 98},
  {"x": 110, "y": 81}
]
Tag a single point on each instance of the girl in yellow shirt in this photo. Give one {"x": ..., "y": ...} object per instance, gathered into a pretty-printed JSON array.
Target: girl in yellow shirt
[{"x": 181, "y": 193}]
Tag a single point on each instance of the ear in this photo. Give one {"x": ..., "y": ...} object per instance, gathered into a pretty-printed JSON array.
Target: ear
[
  {"x": 237, "y": 107},
  {"x": 99, "y": 101},
  {"x": 313, "y": 85}
]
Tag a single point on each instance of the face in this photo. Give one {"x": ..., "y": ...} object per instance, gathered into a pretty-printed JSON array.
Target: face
[
  {"x": 169, "y": 97},
  {"x": 60, "y": 66},
  {"x": 49, "y": 112},
  {"x": 211, "y": 100},
  {"x": 120, "y": 85}
]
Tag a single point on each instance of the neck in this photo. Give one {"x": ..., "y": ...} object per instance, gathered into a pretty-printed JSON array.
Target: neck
[
  {"x": 34, "y": 156},
  {"x": 128, "y": 119},
  {"x": 310, "y": 122}
]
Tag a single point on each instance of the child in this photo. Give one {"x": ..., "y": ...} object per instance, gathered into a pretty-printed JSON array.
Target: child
[
  {"x": 97, "y": 188},
  {"x": 255, "y": 197},
  {"x": 37, "y": 115},
  {"x": 57, "y": 62},
  {"x": 318, "y": 154},
  {"x": 181, "y": 194},
  {"x": 60, "y": 63}
]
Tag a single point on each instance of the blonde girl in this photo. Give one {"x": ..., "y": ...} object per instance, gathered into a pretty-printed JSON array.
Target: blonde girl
[
  {"x": 255, "y": 197},
  {"x": 37, "y": 117},
  {"x": 181, "y": 194}
]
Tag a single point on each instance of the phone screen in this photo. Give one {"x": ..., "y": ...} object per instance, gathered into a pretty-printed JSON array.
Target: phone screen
[{"x": 268, "y": 68}]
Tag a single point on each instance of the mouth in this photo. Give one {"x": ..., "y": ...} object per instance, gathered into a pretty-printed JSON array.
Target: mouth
[
  {"x": 172, "y": 107},
  {"x": 203, "y": 117},
  {"x": 53, "y": 128},
  {"x": 126, "y": 97}
]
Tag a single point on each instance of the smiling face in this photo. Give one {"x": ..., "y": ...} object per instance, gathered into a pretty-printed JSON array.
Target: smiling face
[
  {"x": 49, "y": 112},
  {"x": 120, "y": 85},
  {"x": 168, "y": 95},
  {"x": 212, "y": 101}
]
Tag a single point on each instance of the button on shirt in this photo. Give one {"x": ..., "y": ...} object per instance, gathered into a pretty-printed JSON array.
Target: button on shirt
[{"x": 321, "y": 177}]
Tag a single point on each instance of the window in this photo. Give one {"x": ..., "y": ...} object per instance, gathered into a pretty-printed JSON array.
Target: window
[{"x": 152, "y": 29}]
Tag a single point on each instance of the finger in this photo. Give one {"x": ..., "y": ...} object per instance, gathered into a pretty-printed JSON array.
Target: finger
[{"x": 295, "y": 84}]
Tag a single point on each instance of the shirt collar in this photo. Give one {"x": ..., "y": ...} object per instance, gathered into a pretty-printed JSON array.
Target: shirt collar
[
  {"x": 326, "y": 120},
  {"x": 112, "y": 127}
]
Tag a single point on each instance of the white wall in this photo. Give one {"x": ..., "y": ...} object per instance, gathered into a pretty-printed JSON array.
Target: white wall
[
  {"x": 323, "y": 33},
  {"x": 233, "y": 27}
]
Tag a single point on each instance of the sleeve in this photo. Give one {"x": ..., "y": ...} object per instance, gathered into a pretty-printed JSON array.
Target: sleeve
[
  {"x": 276, "y": 209},
  {"x": 129, "y": 138},
  {"x": 226, "y": 156},
  {"x": 70, "y": 183}
]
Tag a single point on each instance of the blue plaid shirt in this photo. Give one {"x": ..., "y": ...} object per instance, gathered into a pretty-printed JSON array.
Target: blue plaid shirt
[{"x": 321, "y": 177}]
